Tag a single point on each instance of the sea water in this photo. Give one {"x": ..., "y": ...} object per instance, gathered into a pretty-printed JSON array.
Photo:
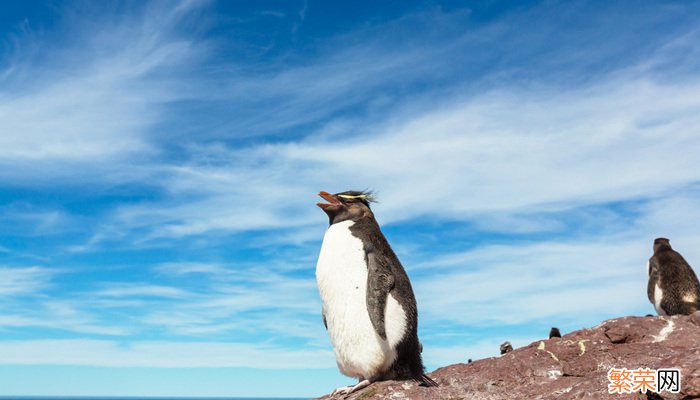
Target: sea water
[{"x": 143, "y": 398}]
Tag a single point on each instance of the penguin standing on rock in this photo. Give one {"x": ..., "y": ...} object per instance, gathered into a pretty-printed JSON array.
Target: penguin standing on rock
[
  {"x": 368, "y": 305},
  {"x": 506, "y": 347},
  {"x": 673, "y": 286}
]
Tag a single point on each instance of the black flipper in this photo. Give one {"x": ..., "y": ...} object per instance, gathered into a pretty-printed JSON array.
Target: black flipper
[
  {"x": 380, "y": 281},
  {"x": 323, "y": 315}
]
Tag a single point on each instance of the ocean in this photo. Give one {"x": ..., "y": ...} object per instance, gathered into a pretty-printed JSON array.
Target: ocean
[{"x": 143, "y": 398}]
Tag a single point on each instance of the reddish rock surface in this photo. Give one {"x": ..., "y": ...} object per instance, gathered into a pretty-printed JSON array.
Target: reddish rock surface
[{"x": 572, "y": 367}]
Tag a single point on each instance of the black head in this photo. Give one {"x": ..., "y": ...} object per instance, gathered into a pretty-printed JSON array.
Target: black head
[
  {"x": 506, "y": 347},
  {"x": 661, "y": 244},
  {"x": 351, "y": 205}
]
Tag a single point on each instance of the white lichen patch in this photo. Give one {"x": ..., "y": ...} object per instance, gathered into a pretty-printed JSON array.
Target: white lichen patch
[
  {"x": 665, "y": 331},
  {"x": 553, "y": 356},
  {"x": 541, "y": 346},
  {"x": 553, "y": 374},
  {"x": 398, "y": 396},
  {"x": 582, "y": 347},
  {"x": 562, "y": 391}
]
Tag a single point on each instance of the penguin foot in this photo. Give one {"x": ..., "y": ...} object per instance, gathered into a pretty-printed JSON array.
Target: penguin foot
[{"x": 347, "y": 390}]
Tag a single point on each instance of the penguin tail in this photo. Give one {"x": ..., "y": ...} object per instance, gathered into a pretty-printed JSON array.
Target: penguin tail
[{"x": 425, "y": 380}]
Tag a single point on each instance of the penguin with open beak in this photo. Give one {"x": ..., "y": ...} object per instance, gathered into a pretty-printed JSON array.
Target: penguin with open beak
[{"x": 369, "y": 308}]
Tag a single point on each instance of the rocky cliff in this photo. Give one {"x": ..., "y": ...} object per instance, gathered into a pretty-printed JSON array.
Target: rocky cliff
[{"x": 575, "y": 366}]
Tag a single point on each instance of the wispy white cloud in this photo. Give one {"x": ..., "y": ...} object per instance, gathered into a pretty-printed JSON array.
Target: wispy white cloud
[
  {"x": 509, "y": 285},
  {"x": 105, "y": 353},
  {"x": 30, "y": 302},
  {"x": 24, "y": 280},
  {"x": 184, "y": 268},
  {"x": 506, "y": 149},
  {"x": 26, "y": 219},
  {"x": 135, "y": 290},
  {"x": 266, "y": 304},
  {"x": 236, "y": 302},
  {"x": 93, "y": 103},
  {"x": 59, "y": 315},
  {"x": 501, "y": 153},
  {"x": 511, "y": 152}
]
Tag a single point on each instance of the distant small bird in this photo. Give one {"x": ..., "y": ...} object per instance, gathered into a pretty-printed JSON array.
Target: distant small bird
[
  {"x": 554, "y": 332},
  {"x": 469, "y": 361},
  {"x": 369, "y": 308},
  {"x": 506, "y": 347},
  {"x": 673, "y": 287}
]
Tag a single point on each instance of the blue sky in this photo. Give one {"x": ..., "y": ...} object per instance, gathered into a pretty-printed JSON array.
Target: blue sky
[{"x": 159, "y": 164}]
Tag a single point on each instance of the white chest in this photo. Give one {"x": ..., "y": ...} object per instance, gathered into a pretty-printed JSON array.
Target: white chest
[
  {"x": 658, "y": 295},
  {"x": 341, "y": 264},
  {"x": 341, "y": 274}
]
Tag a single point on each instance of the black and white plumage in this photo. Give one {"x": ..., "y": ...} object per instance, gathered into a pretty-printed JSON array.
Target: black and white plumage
[
  {"x": 673, "y": 287},
  {"x": 368, "y": 304},
  {"x": 506, "y": 347}
]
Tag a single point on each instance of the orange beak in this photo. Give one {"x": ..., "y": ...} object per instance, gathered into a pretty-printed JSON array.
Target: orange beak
[{"x": 329, "y": 198}]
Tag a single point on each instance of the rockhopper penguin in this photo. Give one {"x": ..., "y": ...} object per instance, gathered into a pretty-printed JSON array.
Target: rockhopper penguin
[
  {"x": 673, "y": 286},
  {"x": 506, "y": 347},
  {"x": 368, "y": 305}
]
